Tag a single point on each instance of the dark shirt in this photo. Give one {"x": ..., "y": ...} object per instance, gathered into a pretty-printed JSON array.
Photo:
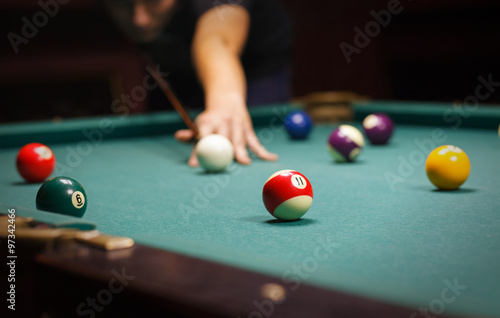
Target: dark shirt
[{"x": 266, "y": 51}]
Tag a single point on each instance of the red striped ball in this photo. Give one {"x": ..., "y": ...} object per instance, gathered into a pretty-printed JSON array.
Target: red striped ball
[{"x": 287, "y": 195}]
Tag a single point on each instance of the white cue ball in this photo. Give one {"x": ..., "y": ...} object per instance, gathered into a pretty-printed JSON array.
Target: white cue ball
[{"x": 215, "y": 152}]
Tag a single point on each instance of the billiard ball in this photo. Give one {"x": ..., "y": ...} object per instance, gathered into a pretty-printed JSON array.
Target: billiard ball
[
  {"x": 378, "y": 128},
  {"x": 298, "y": 124},
  {"x": 62, "y": 195},
  {"x": 215, "y": 152},
  {"x": 287, "y": 195},
  {"x": 447, "y": 167},
  {"x": 345, "y": 143},
  {"x": 35, "y": 162}
]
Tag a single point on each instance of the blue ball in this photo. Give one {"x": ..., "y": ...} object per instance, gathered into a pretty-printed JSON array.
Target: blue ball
[{"x": 298, "y": 124}]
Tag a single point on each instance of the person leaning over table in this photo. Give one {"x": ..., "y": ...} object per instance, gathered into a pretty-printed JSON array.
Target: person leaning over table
[{"x": 223, "y": 54}]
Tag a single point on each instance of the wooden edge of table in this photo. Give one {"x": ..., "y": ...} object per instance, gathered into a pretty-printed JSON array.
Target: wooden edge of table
[{"x": 160, "y": 282}]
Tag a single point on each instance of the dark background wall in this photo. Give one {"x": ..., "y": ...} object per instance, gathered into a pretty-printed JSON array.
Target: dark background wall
[
  {"x": 431, "y": 50},
  {"x": 77, "y": 64}
]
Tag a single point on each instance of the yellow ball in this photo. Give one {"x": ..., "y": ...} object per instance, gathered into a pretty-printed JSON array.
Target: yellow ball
[{"x": 447, "y": 167}]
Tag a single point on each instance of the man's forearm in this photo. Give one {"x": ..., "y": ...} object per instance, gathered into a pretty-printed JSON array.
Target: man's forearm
[
  {"x": 220, "y": 72},
  {"x": 216, "y": 50}
]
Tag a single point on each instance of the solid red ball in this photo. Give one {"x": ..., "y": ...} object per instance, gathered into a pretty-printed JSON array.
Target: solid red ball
[{"x": 35, "y": 162}]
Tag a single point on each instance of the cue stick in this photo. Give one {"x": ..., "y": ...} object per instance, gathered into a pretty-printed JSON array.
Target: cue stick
[
  {"x": 48, "y": 235},
  {"x": 169, "y": 93}
]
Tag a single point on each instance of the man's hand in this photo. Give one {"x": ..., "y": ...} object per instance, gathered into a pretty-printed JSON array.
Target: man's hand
[{"x": 233, "y": 123}]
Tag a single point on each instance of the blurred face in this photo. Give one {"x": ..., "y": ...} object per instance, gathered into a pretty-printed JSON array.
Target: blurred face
[{"x": 141, "y": 20}]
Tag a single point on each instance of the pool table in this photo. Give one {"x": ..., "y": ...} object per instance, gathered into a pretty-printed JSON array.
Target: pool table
[{"x": 379, "y": 240}]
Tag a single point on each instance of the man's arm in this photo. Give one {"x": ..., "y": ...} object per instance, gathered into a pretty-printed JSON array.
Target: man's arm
[
  {"x": 218, "y": 42},
  {"x": 219, "y": 39}
]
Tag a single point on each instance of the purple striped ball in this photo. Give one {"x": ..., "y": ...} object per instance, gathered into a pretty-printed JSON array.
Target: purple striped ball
[{"x": 345, "y": 143}]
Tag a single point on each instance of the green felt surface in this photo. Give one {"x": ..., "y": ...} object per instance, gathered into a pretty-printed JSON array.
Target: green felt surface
[{"x": 402, "y": 242}]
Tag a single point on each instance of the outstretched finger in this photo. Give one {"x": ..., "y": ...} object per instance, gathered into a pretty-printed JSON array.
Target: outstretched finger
[
  {"x": 257, "y": 148},
  {"x": 193, "y": 159},
  {"x": 239, "y": 143}
]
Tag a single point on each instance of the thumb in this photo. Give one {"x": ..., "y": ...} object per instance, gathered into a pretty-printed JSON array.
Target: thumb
[{"x": 184, "y": 135}]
